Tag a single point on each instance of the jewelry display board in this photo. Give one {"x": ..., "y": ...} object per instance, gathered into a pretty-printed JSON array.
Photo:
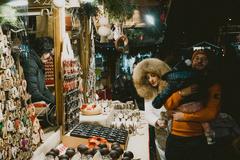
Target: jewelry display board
[{"x": 72, "y": 92}]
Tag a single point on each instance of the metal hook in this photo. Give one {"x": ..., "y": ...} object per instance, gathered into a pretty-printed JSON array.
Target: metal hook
[{"x": 45, "y": 10}]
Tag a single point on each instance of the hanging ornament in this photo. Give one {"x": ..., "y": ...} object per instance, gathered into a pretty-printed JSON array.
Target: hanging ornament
[
  {"x": 121, "y": 44},
  {"x": 103, "y": 21},
  {"x": 104, "y": 31},
  {"x": 117, "y": 32}
]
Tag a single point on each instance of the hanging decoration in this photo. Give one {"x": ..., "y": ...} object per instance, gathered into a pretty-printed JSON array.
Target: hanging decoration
[
  {"x": 121, "y": 44},
  {"x": 119, "y": 10},
  {"x": 72, "y": 92},
  {"x": 8, "y": 16},
  {"x": 87, "y": 9},
  {"x": 77, "y": 12},
  {"x": 104, "y": 30},
  {"x": 20, "y": 131}
]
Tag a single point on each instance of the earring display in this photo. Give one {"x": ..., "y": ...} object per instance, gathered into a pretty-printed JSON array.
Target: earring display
[
  {"x": 73, "y": 97},
  {"x": 20, "y": 131}
]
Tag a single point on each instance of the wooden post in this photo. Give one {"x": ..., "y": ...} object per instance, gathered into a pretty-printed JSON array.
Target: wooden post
[{"x": 59, "y": 30}]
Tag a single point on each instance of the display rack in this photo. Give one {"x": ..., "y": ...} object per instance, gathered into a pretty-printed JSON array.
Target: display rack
[
  {"x": 20, "y": 132},
  {"x": 71, "y": 93}
]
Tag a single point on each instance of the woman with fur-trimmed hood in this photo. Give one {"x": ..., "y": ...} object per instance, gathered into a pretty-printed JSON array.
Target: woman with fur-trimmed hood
[
  {"x": 147, "y": 80},
  {"x": 149, "y": 65}
]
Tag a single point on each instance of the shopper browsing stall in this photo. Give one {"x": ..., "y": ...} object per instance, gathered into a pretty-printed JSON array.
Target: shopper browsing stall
[
  {"x": 33, "y": 67},
  {"x": 147, "y": 80}
]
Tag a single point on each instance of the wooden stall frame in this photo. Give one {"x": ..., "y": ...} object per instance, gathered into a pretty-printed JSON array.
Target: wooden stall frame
[{"x": 59, "y": 30}]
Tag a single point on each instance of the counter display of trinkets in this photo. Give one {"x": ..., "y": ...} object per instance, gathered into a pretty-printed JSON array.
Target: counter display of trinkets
[
  {"x": 125, "y": 116},
  {"x": 20, "y": 131},
  {"x": 97, "y": 148},
  {"x": 73, "y": 97},
  {"x": 126, "y": 119}
]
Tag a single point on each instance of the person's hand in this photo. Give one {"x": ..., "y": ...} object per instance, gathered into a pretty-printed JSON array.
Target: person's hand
[
  {"x": 161, "y": 123},
  {"x": 178, "y": 116},
  {"x": 189, "y": 90}
]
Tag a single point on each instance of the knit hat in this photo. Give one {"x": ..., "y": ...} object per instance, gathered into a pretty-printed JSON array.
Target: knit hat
[{"x": 199, "y": 52}]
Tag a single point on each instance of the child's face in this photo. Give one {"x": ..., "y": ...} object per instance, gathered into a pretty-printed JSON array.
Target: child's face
[
  {"x": 153, "y": 79},
  {"x": 200, "y": 62}
]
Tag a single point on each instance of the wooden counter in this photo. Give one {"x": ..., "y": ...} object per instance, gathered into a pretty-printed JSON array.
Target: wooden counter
[{"x": 138, "y": 142}]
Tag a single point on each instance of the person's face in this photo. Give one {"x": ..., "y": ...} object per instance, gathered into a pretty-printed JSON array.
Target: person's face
[
  {"x": 200, "y": 61},
  {"x": 45, "y": 57},
  {"x": 153, "y": 79}
]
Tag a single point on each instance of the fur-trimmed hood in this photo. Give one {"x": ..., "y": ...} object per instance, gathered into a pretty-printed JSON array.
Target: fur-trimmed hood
[{"x": 149, "y": 65}]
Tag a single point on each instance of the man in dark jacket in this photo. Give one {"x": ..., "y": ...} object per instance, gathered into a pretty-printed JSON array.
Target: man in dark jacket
[{"x": 33, "y": 67}]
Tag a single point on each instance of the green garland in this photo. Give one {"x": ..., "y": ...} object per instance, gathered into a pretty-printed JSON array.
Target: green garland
[
  {"x": 133, "y": 34},
  {"x": 87, "y": 9},
  {"x": 119, "y": 9},
  {"x": 7, "y": 15}
]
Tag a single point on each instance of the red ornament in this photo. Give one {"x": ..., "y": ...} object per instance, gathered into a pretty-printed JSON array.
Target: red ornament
[{"x": 162, "y": 17}]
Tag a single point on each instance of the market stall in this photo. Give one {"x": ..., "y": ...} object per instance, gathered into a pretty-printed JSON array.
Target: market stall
[{"x": 71, "y": 78}]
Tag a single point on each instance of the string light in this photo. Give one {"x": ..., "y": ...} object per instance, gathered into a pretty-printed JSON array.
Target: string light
[{"x": 150, "y": 19}]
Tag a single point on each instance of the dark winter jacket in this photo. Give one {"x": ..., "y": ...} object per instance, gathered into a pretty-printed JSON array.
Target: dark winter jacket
[
  {"x": 178, "y": 80},
  {"x": 34, "y": 74}
]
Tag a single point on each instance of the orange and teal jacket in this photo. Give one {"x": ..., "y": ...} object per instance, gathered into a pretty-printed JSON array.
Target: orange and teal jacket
[{"x": 191, "y": 125}]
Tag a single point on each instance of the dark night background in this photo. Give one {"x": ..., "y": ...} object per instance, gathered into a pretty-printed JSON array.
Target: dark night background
[
  {"x": 198, "y": 20},
  {"x": 193, "y": 21}
]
